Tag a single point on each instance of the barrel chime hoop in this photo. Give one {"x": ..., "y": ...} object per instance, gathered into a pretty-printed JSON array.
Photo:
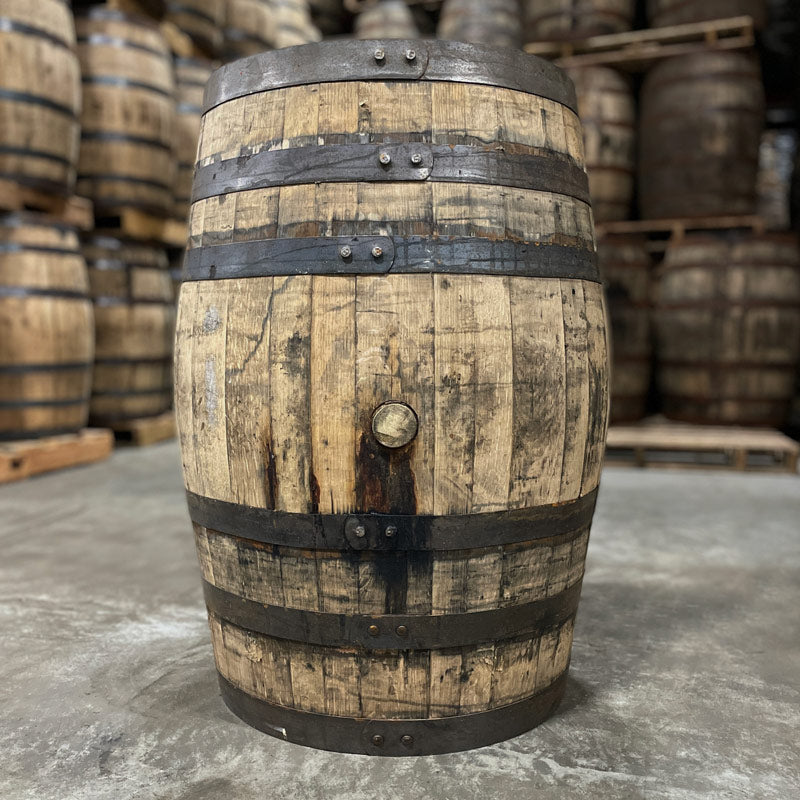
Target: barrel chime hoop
[
  {"x": 8, "y": 25},
  {"x": 389, "y": 60},
  {"x": 31, "y": 153},
  {"x": 37, "y": 100},
  {"x": 21, "y": 369},
  {"x": 119, "y": 41},
  {"x": 394, "y": 737},
  {"x": 388, "y": 255},
  {"x": 396, "y": 631},
  {"x": 417, "y": 161},
  {"x": 393, "y": 532}
]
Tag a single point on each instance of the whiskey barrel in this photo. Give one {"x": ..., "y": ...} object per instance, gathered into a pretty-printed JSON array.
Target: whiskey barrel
[
  {"x": 495, "y": 22},
  {"x": 330, "y": 16},
  {"x": 126, "y": 158},
  {"x": 46, "y": 332},
  {"x": 625, "y": 268},
  {"x": 700, "y": 126},
  {"x": 776, "y": 157},
  {"x": 575, "y": 19},
  {"x": 608, "y": 113},
  {"x": 201, "y": 20},
  {"x": 293, "y": 25},
  {"x": 391, "y": 19},
  {"x": 191, "y": 75},
  {"x": 391, "y": 387},
  {"x": 661, "y": 13},
  {"x": 134, "y": 317},
  {"x": 727, "y": 318},
  {"x": 40, "y": 96},
  {"x": 249, "y": 28}
]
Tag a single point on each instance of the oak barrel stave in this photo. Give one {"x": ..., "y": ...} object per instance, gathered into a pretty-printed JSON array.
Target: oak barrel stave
[
  {"x": 727, "y": 320},
  {"x": 296, "y": 364},
  {"x": 133, "y": 299},
  {"x": 46, "y": 330},
  {"x": 40, "y": 96}
]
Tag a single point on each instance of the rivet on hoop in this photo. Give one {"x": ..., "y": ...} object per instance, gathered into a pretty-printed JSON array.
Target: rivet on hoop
[
  {"x": 407, "y": 740},
  {"x": 373, "y": 630},
  {"x": 385, "y": 158},
  {"x": 377, "y": 740},
  {"x": 401, "y": 630},
  {"x": 416, "y": 158},
  {"x": 360, "y": 531},
  {"x": 345, "y": 252},
  {"x": 379, "y": 54},
  {"x": 377, "y": 252},
  {"x": 411, "y": 55},
  {"x": 391, "y": 530}
]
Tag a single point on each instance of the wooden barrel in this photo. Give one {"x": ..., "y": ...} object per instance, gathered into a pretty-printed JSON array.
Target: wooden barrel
[
  {"x": 191, "y": 75},
  {"x": 46, "y": 332},
  {"x": 40, "y": 96},
  {"x": 391, "y": 387},
  {"x": 727, "y": 318},
  {"x": 126, "y": 158},
  {"x": 575, "y": 19},
  {"x": 330, "y": 16},
  {"x": 495, "y": 22},
  {"x": 625, "y": 267},
  {"x": 249, "y": 28},
  {"x": 134, "y": 316},
  {"x": 293, "y": 25},
  {"x": 776, "y": 157},
  {"x": 608, "y": 112},
  {"x": 201, "y": 20},
  {"x": 389, "y": 19},
  {"x": 700, "y": 126},
  {"x": 661, "y": 13}
]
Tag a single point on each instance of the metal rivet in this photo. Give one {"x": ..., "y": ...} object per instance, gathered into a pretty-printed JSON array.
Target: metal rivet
[
  {"x": 407, "y": 740},
  {"x": 391, "y": 530},
  {"x": 360, "y": 531},
  {"x": 377, "y": 740},
  {"x": 379, "y": 54},
  {"x": 377, "y": 252},
  {"x": 411, "y": 55},
  {"x": 394, "y": 424},
  {"x": 345, "y": 252},
  {"x": 385, "y": 158},
  {"x": 416, "y": 158},
  {"x": 374, "y": 630},
  {"x": 401, "y": 630}
]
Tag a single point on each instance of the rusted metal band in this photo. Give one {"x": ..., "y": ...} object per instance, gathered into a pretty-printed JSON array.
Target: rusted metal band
[
  {"x": 392, "y": 531},
  {"x": 337, "y": 61},
  {"x": 395, "y": 631},
  {"x": 8, "y": 25},
  {"x": 417, "y": 161},
  {"x": 394, "y": 737},
  {"x": 356, "y": 255},
  {"x": 38, "y": 100}
]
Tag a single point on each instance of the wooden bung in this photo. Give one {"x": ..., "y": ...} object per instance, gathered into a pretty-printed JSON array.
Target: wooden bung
[
  {"x": 391, "y": 390},
  {"x": 46, "y": 331},
  {"x": 40, "y": 96},
  {"x": 134, "y": 314},
  {"x": 727, "y": 321}
]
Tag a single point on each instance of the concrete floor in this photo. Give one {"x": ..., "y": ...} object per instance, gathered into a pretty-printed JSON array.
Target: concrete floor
[{"x": 685, "y": 679}]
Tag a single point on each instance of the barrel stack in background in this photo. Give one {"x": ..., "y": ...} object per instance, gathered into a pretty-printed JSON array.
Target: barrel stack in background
[
  {"x": 388, "y": 19},
  {"x": 625, "y": 267},
  {"x": 46, "y": 330},
  {"x": 331, "y": 17},
  {"x": 387, "y": 403},
  {"x": 573, "y": 19},
  {"x": 201, "y": 20},
  {"x": 661, "y": 13},
  {"x": 293, "y": 23},
  {"x": 249, "y": 28},
  {"x": 495, "y": 22},
  {"x": 134, "y": 312},
  {"x": 727, "y": 318}
]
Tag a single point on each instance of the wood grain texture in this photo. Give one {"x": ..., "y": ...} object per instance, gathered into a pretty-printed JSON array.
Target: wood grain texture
[{"x": 46, "y": 329}]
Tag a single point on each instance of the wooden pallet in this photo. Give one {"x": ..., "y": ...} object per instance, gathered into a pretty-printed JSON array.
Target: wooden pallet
[
  {"x": 635, "y": 50},
  {"x": 131, "y": 223},
  {"x": 76, "y": 211},
  {"x": 23, "y": 459},
  {"x": 147, "y": 430},
  {"x": 660, "y": 443}
]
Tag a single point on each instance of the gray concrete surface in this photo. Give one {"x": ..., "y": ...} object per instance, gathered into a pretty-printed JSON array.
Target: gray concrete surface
[{"x": 685, "y": 679}]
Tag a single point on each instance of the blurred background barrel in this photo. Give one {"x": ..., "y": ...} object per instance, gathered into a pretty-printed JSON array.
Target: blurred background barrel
[
  {"x": 700, "y": 126},
  {"x": 134, "y": 313},
  {"x": 201, "y": 20},
  {"x": 608, "y": 113},
  {"x": 387, "y": 19},
  {"x": 293, "y": 24},
  {"x": 573, "y": 19},
  {"x": 191, "y": 75},
  {"x": 126, "y": 156},
  {"x": 46, "y": 331},
  {"x": 331, "y": 16},
  {"x": 40, "y": 96},
  {"x": 727, "y": 318},
  {"x": 249, "y": 28},
  {"x": 495, "y": 22},
  {"x": 661, "y": 13},
  {"x": 392, "y": 391},
  {"x": 625, "y": 268}
]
